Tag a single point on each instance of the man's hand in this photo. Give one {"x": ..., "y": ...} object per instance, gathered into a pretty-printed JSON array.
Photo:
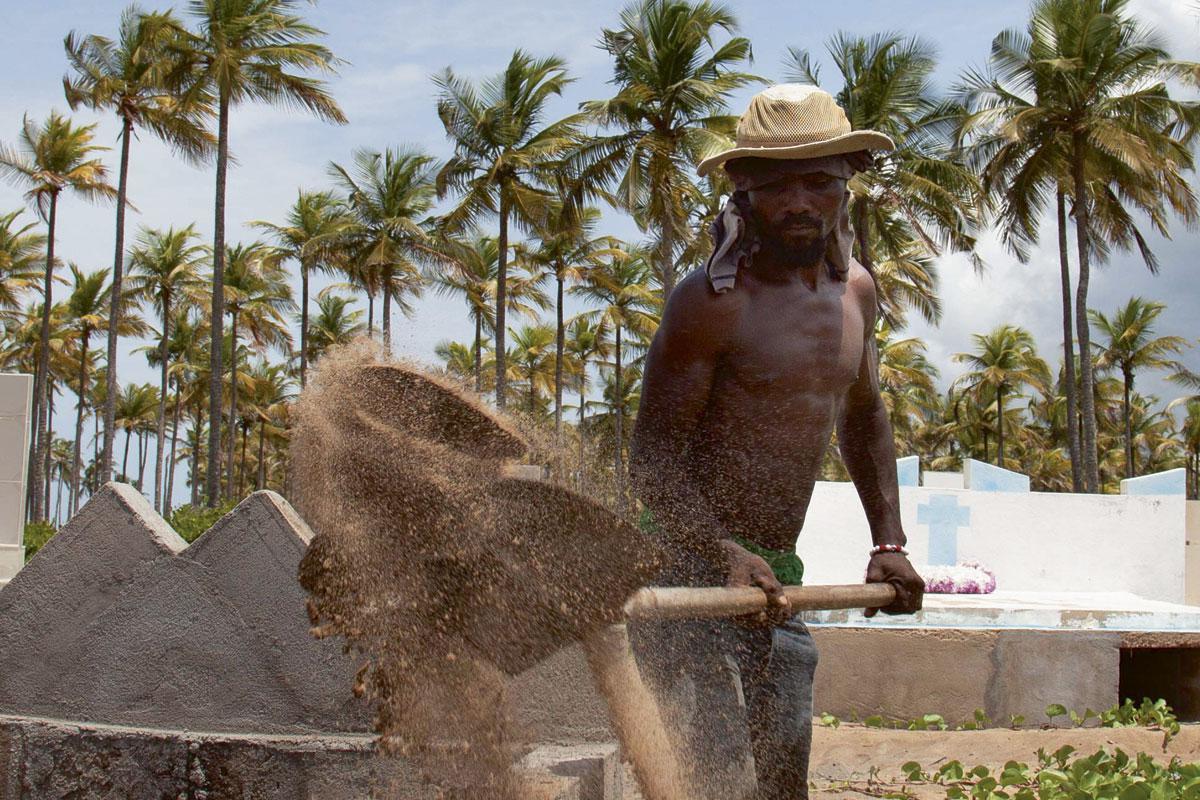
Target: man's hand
[
  {"x": 894, "y": 568},
  {"x": 746, "y": 569}
]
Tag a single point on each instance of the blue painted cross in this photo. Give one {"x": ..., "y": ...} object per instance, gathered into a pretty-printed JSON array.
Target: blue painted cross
[{"x": 944, "y": 517}]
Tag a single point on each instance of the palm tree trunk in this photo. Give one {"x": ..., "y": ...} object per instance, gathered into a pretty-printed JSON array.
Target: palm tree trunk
[
  {"x": 999, "y": 427},
  {"x": 143, "y": 451},
  {"x": 386, "y": 322},
  {"x": 169, "y": 496},
  {"x": 233, "y": 364},
  {"x": 161, "y": 432},
  {"x": 125, "y": 458},
  {"x": 1068, "y": 347},
  {"x": 114, "y": 311},
  {"x": 667, "y": 255},
  {"x": 195, "y": 467},
  {"x": 58, "y": 503},
  {"x": 303, "y": 324},
  {"x": 618, "y": 461},
  {"x": 1091, "y": 465},
  {"x": 261, "y": 483},
  {"x": 97, "y": 478},
  {"x": 582, "y": 401},
  {"x": 242, "y": 469},
  {"x": 501, "y": 298},
  {"x": 370, "y": 312},
  {"x": 217, "y": 341},
  {"x": 77, "y": 456},
  {"x": 559, "y": 344},
  {"x": 478, "y": 352},
  {"x": 1129, "y": 465},
  {"x": 41, "y": 374},
  {"x": 48, "y": 439}
]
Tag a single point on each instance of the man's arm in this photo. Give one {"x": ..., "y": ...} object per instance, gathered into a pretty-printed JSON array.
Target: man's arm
[
  {"x": 678, "y": 379},
  {"x": 869, "y": 452}
]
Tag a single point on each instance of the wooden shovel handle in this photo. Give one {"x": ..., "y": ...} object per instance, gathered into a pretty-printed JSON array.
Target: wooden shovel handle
[{"x": 717, "y": 601}]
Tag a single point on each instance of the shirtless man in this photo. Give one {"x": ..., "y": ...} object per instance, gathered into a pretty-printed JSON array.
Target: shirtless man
[{"x": 759, "y": 357}]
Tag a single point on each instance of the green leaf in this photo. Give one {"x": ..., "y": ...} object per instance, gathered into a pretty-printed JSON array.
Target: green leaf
[
  {"x": 874, "y": 721},
  {"x": 1055, "y": 710}
]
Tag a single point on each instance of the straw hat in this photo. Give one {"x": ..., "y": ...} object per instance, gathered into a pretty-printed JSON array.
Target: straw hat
[{"x": 793, "y": 120}]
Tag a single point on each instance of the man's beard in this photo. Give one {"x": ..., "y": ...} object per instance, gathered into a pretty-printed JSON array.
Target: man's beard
[
  {"x": 813, "y": 252},
  {"x": 804, "y": 253}
]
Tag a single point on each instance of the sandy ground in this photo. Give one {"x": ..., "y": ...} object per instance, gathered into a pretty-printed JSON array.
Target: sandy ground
[{"x": 842, "y": 758}]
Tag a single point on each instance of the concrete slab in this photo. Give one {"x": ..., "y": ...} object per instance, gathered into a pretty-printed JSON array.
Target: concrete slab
[
  {"x": 595, "y": 767},
  {"x": 71, "y": 581},
  {"x": 1116, "y": 611}
]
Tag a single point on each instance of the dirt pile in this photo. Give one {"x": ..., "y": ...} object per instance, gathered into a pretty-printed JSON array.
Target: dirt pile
[{"x": 444, "y": 575}]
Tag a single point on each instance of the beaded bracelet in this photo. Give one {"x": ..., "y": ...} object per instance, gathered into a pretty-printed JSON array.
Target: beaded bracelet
[{"x": 888, "y": 548}]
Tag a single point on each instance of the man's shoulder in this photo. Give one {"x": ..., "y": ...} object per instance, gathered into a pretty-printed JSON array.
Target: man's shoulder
[
  {"x": 697, "y": 312},
  {"x": 694, "y": 293},
  {"x": 862, "y": 285}
]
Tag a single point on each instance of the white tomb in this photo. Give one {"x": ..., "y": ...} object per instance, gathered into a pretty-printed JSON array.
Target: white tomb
[{"x": 16, "y": 397}]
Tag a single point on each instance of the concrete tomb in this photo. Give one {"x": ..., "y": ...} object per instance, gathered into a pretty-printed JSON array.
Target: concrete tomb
[{"x": 16, "y": 397}]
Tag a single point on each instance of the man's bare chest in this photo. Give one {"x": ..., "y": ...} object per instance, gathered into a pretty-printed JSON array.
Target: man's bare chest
[{"x": 797, "y": 342}]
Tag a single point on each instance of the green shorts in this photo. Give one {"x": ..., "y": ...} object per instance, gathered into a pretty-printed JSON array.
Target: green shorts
[{"x": 787, "y": 566}]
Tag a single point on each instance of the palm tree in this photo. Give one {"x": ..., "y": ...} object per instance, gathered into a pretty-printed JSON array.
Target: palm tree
[
  {"x": 335, "y": 323},
  {"x": 187, "y": 359},
  {"x": 457, "y": 358},
  {"x": 312, "y": 235},
  {"x": 906, "y": 382},
  {"x": 137, "y": 76},
  {"x": 165, "y": 268},
  {"x": 501, "y": 152},
  {"x": 272, "y": 393},
  {"x": 621, "y": 285},
  {"x": 19, "y": 250},
  {"x": 567, "y": 245},
  {"x": 922, "y": 185},
  {"x": 389, "y": 193},
  {"x": 257, "y": 295},
  {"x": 86, "y": 311},
  {"x": 587, "y": 343},
  {"x": 1004, "y": 361},
  {"x": 673, "y": 80},
  {"x": 469, "y": 268},
  {"x": 245, "y": 50},
  {"x": 531, "y": 361},
  {"x": 1129, "y": 345},
  {"x": 54, "y": 156},
  {"x": 135, "y": 410},
  {"x": 1190, "y": 433},
  {"x": 1080, "y": 104}
]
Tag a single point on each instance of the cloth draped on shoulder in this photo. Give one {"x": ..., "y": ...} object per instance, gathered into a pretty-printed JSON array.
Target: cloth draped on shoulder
[{"x": 733, "y": 248}]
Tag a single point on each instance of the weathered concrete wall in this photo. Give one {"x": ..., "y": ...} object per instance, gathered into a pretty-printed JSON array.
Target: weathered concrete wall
[
  {"x": 16, "y": 394},
  {"x": 48, "y": 759},
  {"x": 904, "y": 673}
]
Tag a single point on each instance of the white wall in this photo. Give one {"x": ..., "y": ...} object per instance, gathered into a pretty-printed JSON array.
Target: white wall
[
  {"x": 16, "y": 392},
  {"x": 1032, "y": 541}
]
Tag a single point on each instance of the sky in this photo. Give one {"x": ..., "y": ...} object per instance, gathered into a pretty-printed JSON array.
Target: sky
[{"x": 390, "y": 50}]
